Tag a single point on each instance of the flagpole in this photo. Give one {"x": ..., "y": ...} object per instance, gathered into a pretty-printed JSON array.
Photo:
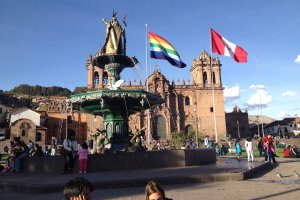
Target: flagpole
[
  {"x": 213, "y": 90},
  {"x": 147, "y": 86},
  {"x": 259, "y": 93}
]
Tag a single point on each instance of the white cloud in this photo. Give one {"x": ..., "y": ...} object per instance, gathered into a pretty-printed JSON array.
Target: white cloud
[
  {"x": 258, "y": 99},
  {"x": 231, "y": 94},
  {"x": 297, "y": 60},
  {"x": 289, "y": 94},
  {"x": 256, "y": 87}
]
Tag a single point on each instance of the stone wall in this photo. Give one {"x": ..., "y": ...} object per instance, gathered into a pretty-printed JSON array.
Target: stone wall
[{"x": 124, "y": 161}]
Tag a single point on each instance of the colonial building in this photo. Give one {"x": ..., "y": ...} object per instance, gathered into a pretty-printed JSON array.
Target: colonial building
[
  {"x": 60, "y": 118},
  {"x": 197, "y": 106},
  {"x": 284, "y": 128},
  {"x": 28, "y": 125},
  {"x": 237, "y": 123}
]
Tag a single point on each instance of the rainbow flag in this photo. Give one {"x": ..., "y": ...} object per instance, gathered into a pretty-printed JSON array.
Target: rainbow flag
[{"x": 162, "y": 49}]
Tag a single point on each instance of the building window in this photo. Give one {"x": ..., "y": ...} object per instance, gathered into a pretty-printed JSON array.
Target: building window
[
  {"x": 38, "y": 137},
  {"x": 214, "y": 78},
  {"x": 211, "y": 109},
  {"x": 188, "y": 129},
  {"x": 204, "y": 77},
  {"x": 117, "y": 127},
  {"x": 23, "y": 133},
  {"x": 105, "y": 78},
  {"x": 187, "y": 101},
  {"x": 24, "y": 129},
  {"x": 96, "y": 78}
]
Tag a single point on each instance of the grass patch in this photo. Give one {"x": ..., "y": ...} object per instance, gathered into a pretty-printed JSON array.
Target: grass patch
[{"x": 4, "y": 156}]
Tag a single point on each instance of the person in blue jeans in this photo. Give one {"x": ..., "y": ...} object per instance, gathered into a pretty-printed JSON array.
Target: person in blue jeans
[{"x": 20, "y": 151}]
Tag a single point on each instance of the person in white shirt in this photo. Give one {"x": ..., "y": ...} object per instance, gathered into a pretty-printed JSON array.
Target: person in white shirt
[
  {"x": 206, "y": 141},
  {"x": 70, "y": 146},
  {"x": 249, "y": 149}
]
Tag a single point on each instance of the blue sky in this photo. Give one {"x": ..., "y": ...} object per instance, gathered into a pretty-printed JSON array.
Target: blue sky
[{"x": 47, "y": 43}]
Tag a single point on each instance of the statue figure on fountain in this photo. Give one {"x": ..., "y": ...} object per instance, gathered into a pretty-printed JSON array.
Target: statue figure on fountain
[
  {"x": 101, "y": 142},
  {"x": 115, "y": 40},
  {"x": 137, "y": 140}
]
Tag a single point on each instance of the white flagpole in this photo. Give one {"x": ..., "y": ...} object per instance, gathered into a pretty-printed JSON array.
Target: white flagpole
[
  {"x": 147, "y": 87},
  {"x": 213, "y": 89},
  {"x": 259, "y": 93}
]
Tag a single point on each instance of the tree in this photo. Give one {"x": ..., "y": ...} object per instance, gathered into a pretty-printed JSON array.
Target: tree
[{"x": 80, "y": 90}]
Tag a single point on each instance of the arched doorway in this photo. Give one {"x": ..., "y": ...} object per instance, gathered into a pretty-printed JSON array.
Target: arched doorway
[
  {"x": 160, "y": 127},
  {"x": 188, "y": 129}
]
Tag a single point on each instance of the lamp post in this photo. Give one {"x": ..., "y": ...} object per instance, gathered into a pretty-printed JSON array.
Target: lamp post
[
  {"x": 238, "y": 126},
  {"x": 257, "y": 121},
  {"x": 196, "y": 119}
]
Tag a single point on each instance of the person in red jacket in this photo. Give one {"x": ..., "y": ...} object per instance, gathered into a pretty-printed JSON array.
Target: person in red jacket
[{"x": 287, "y": 152}]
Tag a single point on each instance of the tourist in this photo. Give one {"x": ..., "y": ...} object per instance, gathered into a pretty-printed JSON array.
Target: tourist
[
  {"x": 70, "y": 148},
  {"x": 78, "y": 189},
  {"x": 229, "y": 146},
  {"x": 238, "y": 149},
  {"x": 183, "y": 146},
  {"x": 294, "y": 151},
  {"x": 287, "y": 152},
  {"x": 206, "y": 141},
  {"x": 19, "y": 151},
  {"x": 46, "y": 150},
  {"x": 154, "y": 191},
  {"x": 53, "y": 146},
  {"x": 249, "y": 149},
  {"x": 38, "y": 151},
  {"x": 224, "y": 150},
  {"x": 218, "y": 149},
  {"x": 266, "y": 140},
  {"x": 83, "y": 157},
  {"x": 260, "y": 146},
  {"x": 271, "y": 151}
]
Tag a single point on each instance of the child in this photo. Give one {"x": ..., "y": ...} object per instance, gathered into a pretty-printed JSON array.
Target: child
[
  {"x": 238, "y": 149},
  {"x": 83, "y": 157}
]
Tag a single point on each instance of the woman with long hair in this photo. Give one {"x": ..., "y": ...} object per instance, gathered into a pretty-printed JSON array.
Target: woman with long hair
[{"x": 154, "y": 191}]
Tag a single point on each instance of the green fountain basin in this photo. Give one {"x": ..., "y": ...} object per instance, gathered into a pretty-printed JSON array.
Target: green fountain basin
[{"x": 102, "y": 102}]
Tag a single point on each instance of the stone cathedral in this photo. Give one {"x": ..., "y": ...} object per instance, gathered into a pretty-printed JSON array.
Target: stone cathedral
[{"x": 188, "y": 106}]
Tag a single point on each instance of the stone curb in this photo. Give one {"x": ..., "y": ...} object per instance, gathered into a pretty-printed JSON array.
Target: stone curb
[
  {"x": 190, "y": 177},
  {"x": 265, "y": 167},
  {"x": 125, "y": 183}
]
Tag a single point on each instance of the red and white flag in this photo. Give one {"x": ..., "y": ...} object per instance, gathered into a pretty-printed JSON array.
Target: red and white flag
[{"x": 223, "y": 47}]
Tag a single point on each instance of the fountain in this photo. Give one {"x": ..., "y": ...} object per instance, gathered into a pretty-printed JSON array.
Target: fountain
[{"x": 114, "y": 104}]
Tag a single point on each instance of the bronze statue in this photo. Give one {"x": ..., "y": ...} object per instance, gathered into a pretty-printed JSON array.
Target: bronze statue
[
  {"x": 101, "y": 142},
  {"x": 115, "y": 37}
]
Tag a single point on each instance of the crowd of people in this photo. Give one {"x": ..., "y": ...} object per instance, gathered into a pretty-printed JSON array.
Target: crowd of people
[
  {"x": 266, "y": 147},
  {"x": 72, "y": 151}
]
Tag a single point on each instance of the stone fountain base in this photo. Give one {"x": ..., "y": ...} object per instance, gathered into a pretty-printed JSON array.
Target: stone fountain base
[{"x": 125, "y": 161}]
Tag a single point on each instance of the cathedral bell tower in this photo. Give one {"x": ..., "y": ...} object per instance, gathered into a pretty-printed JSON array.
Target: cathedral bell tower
[
  {"x": 97, "y": 78},
  {"x": 208, "y": 95},
  {"x": 202, "y": 74}
]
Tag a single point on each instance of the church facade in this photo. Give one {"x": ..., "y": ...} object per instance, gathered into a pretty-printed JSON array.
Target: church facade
[{"x": 196, "y": 105}]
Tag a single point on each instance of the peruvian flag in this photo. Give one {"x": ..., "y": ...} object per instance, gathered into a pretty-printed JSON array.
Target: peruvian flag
[{"x": 223, "y": 47}]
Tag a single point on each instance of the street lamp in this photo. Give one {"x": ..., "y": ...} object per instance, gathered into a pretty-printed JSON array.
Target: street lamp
[
  {"x": 257, "y": 121},
  {"x": 238, "y": 126}
]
